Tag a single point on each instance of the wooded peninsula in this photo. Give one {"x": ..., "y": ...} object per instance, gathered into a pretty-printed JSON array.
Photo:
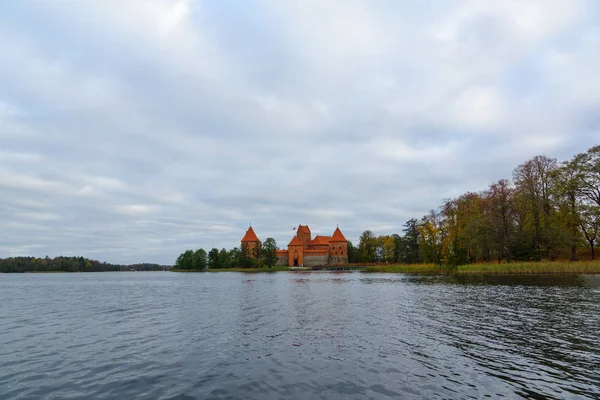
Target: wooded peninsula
[{"x": 549, "y": 211}]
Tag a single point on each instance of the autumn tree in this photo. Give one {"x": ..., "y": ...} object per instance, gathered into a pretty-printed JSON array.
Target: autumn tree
[
  {"x": 367, "y": 245},
  {"x": 432, "y": 237},
  {"x": 501, "y": 212},
  {"x": 534, "y": 180}
]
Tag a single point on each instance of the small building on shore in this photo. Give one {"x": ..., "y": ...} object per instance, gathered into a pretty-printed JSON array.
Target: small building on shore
[{"x": 306, "y": 251}]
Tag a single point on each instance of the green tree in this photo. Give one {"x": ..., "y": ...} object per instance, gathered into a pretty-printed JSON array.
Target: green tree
[
  {"x": 353, "y": 256},
  {"x": 199, "y": 260},
  {"x": 411, "y": 252},
  {"x": 269, "y": 252},
  {"x": 224, "y": 258},
  {"x": 213, "y": 259},
  {"x": 245, "y": 257},
  {"x": 185, "y": 260}
]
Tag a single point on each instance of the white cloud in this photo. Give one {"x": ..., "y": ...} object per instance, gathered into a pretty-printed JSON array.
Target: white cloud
[{"x": 149, "y": 126}]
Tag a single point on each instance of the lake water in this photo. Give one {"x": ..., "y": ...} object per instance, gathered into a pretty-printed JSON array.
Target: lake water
[{"x": 163, "y": 335}]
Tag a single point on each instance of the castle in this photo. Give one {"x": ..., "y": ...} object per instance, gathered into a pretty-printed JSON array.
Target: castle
[{"x": 303, "y": 250}]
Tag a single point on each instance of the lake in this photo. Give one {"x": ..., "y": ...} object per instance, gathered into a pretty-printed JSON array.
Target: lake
[{"x": 184, "y": 336}]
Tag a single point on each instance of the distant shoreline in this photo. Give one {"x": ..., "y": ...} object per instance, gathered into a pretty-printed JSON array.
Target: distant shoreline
[{"x": 518, "y": 268}]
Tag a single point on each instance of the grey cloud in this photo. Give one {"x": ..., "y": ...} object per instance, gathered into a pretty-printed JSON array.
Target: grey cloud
[{"x": 134, "y": 130}]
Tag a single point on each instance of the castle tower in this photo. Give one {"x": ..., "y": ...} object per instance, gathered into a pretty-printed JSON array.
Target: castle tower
[
  {"x": 250, "y": 241},
  {"x": 338, "y": 248},
  {"x": 303, "y": 233},
  {"x": 295, "y": 252}
]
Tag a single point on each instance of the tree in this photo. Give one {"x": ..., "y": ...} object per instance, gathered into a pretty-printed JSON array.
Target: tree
[
  {"x": 567, "y": 184},
  {"x": 501, "y": 196},
  {"x": 224, "y": 258},
  {"x": 590, "y": 225},
  {"x": 367, "y": 246},
  {"x": 411, "y": 254},
  {"x": 199, "y": 261},
  {"x": 588, "y": 168},
  {"x": 353, "y": 255},
  {"x": 213, "y": 259},
  {"x": 432, "y": 237},
  {"x": 256, "y": 252},
  {"x": 269, "y": 251},
  {"x": 185, "y": 260},
  {"x": 245, "y": 257},
  {"x": 534, "y": 180},
  {"x": 399, "y": 247}
]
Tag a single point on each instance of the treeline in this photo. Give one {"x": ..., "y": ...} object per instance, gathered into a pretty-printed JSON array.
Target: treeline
[
  {"x": 69, "y": 264},
  {"x": 548, "y": 210},
  {"x": 239, "y": 257}
]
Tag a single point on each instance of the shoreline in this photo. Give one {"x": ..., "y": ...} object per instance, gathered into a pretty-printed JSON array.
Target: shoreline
[{"x": 517, "y": 268}]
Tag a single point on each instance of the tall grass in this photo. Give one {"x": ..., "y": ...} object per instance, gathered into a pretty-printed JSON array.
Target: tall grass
[
  {"x": 532, "y": 268},
  {"x": 518, "y": 268}
]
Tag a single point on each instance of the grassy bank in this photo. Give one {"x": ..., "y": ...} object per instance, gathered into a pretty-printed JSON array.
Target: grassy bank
[{"x": 518, "y": 268}]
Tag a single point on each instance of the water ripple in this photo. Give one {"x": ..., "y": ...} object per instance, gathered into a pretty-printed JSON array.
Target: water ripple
[{"x": 297, "y": 335}]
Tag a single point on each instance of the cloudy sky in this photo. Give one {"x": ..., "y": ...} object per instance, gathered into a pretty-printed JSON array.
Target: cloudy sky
[{"x": 131, "y": 130}]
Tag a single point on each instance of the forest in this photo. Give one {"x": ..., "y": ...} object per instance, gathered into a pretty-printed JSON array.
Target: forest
[
  {"x": 69, "y": 264},
  {"x": 549, "y": 210}
]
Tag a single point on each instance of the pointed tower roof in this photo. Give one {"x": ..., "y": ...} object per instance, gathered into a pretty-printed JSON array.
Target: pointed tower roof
[
  {"x": 338, "y": 236},
  {"x": 303, "y": 229},
  {"x": 250, "y": 236},
  {"x": 295, "y": 242}
]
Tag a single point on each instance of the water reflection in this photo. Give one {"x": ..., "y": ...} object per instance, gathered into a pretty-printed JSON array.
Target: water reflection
[{"x": 299, "y": 335}]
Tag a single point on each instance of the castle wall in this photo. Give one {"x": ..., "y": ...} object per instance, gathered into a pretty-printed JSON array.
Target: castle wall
[
  {"x": 311, "y": 260},
  {"x": 282, "y": 259},
  {"x": 295, "y": 252},
  {"x": 337, "y": 260},
  {"x": 338, "y": 253}
]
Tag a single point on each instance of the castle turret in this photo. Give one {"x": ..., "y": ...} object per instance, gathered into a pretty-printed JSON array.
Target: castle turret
[
  {"x": 303, "y": 233},
  {"x": 250, "y": 241},
  {"x": 295, "y": 252},
  {"x": 338, "y": 248}
]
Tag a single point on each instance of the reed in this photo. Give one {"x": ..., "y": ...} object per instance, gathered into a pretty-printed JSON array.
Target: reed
[
  {"x": 532, "y": 268},
  {"x": 517, "y": 268}
]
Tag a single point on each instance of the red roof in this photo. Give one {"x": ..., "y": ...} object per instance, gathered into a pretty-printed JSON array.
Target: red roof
[
  {"x": 320, "y": 240},
  {"x": 338, "y": 236},
  {"x": 295, "y": 242},
  {"x": 281, "y": 252},
  {"x": 303, "y": 229},
  {"x": 250, "y": 236}
]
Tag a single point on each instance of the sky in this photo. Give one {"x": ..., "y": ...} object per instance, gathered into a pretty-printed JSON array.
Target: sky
[{"x": 132, "y": 130}]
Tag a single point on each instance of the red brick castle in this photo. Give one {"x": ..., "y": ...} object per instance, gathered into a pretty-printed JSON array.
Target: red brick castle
[{"x": 303, "y": 250}]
